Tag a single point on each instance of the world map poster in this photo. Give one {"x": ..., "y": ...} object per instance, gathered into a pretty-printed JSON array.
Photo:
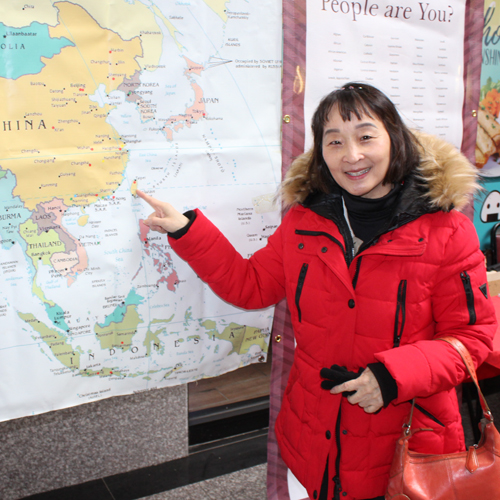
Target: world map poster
[{"x": 180, "y": 99}]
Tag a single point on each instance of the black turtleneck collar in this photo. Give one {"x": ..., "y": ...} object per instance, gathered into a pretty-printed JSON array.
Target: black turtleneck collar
[
  {"x": 410, "y": 202},
  {"x": 368, "y": 216}
]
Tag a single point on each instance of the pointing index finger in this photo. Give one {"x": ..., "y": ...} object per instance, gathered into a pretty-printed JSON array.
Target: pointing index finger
[{"x": 148, "y": 199}]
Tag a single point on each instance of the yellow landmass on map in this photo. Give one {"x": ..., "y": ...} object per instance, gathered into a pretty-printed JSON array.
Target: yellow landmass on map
[
  {"x": 108, "y": 58},
  {"x": 82, "y": 221},
  {"x": 20, "y": 13},
  {"x": 133, "y": 188},
  {"x": 171, "y": 28},
  {"x": 219, "y": 7},
  {"x": 129, "y": 20},
  {"x": 55, "y": 139}
]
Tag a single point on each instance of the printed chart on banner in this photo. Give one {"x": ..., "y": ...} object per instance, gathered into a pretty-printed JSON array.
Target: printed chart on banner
[
  {"x": 101, "y": 97},
  {"x": 412, "y": 51},
  {"x": 488, "y": 114}
]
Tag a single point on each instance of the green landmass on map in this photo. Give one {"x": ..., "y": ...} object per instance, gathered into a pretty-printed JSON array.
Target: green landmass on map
[
  {"x": 153, "y": 342},
  {"x": 60, "y": 349},
  {"x": 119, "y": 334},
  {"x": 242, "y": 337}
]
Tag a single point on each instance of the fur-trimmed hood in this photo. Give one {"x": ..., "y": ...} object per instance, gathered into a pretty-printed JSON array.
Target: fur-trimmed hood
[{"x": 448, "y": 177}]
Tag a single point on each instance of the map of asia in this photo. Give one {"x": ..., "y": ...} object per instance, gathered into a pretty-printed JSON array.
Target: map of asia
[{"x": 180, "y": 99}]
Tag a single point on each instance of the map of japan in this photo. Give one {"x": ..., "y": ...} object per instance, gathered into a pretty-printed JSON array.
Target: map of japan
[{"x": 179, "y": 99}]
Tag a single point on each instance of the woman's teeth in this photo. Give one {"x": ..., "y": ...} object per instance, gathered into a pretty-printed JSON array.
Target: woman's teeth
[{"x": 357, "y": 174}]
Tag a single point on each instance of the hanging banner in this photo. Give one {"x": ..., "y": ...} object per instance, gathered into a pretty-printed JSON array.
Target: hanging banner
[
  {"x": 180, "y": 99},
  {"x": 487, "y": 152},
  {"x": 488, "y": 130}
]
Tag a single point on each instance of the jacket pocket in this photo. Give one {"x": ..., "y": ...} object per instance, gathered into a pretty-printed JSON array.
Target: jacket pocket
[
  {"x": 469, "y": 296},
  {"x": 428, "y": 414},
  {"x": 298, "y": 291},
  {"x": 399, "y": 322}
]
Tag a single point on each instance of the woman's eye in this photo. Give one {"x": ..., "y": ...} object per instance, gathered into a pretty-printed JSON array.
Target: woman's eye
[{"x": 366, "y": 137}]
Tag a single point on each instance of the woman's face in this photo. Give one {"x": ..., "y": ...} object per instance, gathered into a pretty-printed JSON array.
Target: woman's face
[{"x": 357, "y": 153}]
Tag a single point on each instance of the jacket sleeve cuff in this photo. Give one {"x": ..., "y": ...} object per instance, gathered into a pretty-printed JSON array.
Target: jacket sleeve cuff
[
  {"x": 386, "y": 382},
  {"x": 191, "y": 215}
]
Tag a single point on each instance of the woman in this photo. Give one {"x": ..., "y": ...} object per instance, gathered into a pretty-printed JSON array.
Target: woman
[{"x": 375, "y": 265}]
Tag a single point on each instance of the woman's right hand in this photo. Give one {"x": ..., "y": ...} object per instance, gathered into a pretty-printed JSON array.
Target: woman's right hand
[{"x": 165, "y": 218}]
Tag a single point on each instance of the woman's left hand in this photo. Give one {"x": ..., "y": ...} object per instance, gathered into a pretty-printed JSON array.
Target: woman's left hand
[{"x": 368, "y": 394}]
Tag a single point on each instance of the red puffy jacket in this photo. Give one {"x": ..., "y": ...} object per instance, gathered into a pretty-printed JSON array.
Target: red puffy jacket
[{"x": 422, "y": 279}]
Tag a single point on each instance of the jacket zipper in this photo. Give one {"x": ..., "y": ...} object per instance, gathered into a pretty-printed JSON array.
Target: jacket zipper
[
  {"x": 400, "y": 311},
  {"x": 347, "y": 254},
  {"x": 298, "y": 291},
  {"x": 398, "y": 333},
  {"x": 336, "y": 480},
  {"x": 356, "y": 274},
  {"x": 428, "y": 414},
  {"x": 469, "y": 295}
]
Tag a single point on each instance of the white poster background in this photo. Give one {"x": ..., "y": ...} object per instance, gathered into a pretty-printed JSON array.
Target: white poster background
[{"x": 412, "y": 51}]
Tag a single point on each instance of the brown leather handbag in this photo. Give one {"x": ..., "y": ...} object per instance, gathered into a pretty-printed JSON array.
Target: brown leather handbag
[{"x": 467, "y": 475}]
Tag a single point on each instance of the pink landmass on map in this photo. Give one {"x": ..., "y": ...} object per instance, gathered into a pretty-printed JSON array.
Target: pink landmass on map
[
  {"x": 193, "y": 67},
  {"x": 74, "y": 260},
  {"x": 172, "y": 279},
  {"x": 144, "y": 235},
  {"x": 193, "y": 113}
]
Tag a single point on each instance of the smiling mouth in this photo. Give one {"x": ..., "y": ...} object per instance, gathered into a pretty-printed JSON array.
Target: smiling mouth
[{"x": 358, "y": 173}]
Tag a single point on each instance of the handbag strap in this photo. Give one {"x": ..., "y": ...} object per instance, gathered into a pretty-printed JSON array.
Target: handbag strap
[{"x": 466, "y": 357}]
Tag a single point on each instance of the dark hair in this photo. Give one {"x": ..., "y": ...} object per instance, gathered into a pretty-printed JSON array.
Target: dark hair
[{"x": 362, "y": 99}]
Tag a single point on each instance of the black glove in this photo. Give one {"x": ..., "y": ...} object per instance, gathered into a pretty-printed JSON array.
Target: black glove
[{"x": 336, "y": 375}]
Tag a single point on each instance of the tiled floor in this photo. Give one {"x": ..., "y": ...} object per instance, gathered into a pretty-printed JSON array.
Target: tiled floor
[
  {"x": 234, "y": 467},
  {"x": 247, "y": 484}
]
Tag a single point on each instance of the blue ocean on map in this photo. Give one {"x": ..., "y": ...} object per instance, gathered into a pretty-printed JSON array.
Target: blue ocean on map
[{"x": 23, "y": 48}]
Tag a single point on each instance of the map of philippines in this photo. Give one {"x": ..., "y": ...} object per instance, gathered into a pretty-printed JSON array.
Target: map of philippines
[{"x": 180, "y": 99}]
